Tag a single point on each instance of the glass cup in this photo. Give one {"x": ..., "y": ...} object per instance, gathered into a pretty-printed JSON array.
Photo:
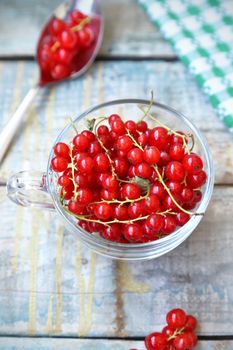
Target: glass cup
[{"x": 41, "y": 189}]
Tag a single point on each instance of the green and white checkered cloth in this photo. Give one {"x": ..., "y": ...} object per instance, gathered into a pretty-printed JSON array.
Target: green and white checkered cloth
[{"x": 201, "y": 33}]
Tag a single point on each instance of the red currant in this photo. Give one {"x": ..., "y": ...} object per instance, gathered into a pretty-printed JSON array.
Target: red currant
[
  {"x": 151, "y": 155},
  {"x": 155, "y": 222},
  {"x": 62, "y": 150},
  {"x": 103, "y": 211},
  {"x": 112, "y": 232},
  {"x": 196, "y": 181},
  {"x": 159, "y": 137},
  {"x": 131, "y": 191},
  {"x": 101, "y": 162},
  {"x": 124, "y": 143},
  {"x": 175, "y": 171},
  {"x": 132, "y": 232},
  {"x": 81, "y": 142},
  {"x": 85, "y": 165},
  {"x": 192, "y": 163},
  {"x": 142, "y": 126},
  {"x": 176, "y": 318},
  {"x": 59, "y": 164},
  {"x": 135, "y": 156},
  {"x": 143, "y": 170},
  {"x": 156, "y": 341}
]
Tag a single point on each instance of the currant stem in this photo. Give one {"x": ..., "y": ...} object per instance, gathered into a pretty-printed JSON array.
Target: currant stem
[
  {"x": 122, "y": 202},
  {"x": 176, "y": 332},
  {"x": 134, "y": 141},
  {"x": 115, "y": 221},
  {"x": 73, "y": 168},
  {"x": 150, "y": 105},
  {"x": 80, "y": 26},
  {"x": 169, "y": 192}
]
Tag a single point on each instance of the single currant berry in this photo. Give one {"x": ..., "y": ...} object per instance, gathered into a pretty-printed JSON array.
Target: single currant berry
[
  {"x": 59, "y": 164},
  {"x": 182, "y": 218},
  {"x": 164, "y": 158},
  {"x": 175, "y": 171},
  {"x": 191, "y": 323},
  {"x": 151, "y": 155},
  {"x": 84, "y": 196},
  {"x": 135, "y": 210},
  {"x": 176, "y": 151},
  {"x": 183, "y": 342},
  {"x": 176, "y": 318},
  {"x": 102, "y": 130},
  {"x": 68, "y": 39},
  {"x": 132, "y": 232},
  {"x": 110, "y": 182},
  {"x": 159, "y": 137},
  {"x": 113, "y": 117},
  {"x": 64, "y": 56},
  {"x": 143, "y": 170},
  {"x": 121, "y": 167},
  {"x": 197, "y": 196},
  {"x": 64, "y": 180},
  {"x": 147, "y": 233},
  {"x": 85, "y": 37},
  {"x": 89, "y": 134},
  {"x": 156, "y": 341},
  {"x": 169, "y": 225},
  {"x": 155, "y": 222},
  {"x": 124, "y": 143},
  {"x": 121, "y": 212},
  {"x": 131, "y": 126},
  {"x": 143, "y": 139},
  {"x": 186, "y": 194},
  {"x": 76, "y": 208},
  {"x": 158, "y": 189},
  {"x": 62, "y": 150},
  {"x": 100, "y": 177},
  {"x": 68, "y": 172},
  {"x": 67, "y": 192},
  {"x": 131, "y": 191},
  {"x": 142, "y": 126},
  {"x": 196, "y": 181},
  {"x": 85, "y": 165},
  {"x": 118, "y": 127},
  {"x": 112, "y": 232},
  {"x": 57, "y": 26},
  {"x": 152, "y": 204},
  {"x": 79, "y": 156},
  {"x": 94, "y": 148},
  {"x": 103, "y": 211},
  {"x": 81, "y": 142},
  {"x": 135, "y": 156},
  {"x": 60, "y": 71},
  {"x": 101, "y": 162},
  {"x": 192, "y": 163}
]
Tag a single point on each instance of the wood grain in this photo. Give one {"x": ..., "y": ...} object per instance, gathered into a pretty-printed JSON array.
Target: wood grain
[
  {"x": 128, "y": 31},
  {"x": 90, "y": 344},
  {"x": 105, "y": 81},
  {"x": 52, "y": 285}
]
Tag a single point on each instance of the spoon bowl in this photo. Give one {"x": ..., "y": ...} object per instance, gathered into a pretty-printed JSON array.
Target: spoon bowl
[{"x": 83, "y": 60}]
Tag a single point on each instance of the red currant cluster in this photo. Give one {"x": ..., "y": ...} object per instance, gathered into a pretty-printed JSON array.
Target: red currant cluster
[
  {"x": 63, "y": 43},
  {"x": 179, "y": 334},
  {"x": 127, "y": 182}
]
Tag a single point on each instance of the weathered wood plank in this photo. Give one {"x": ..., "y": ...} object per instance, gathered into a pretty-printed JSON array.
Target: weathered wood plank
[
  {"x": 128, "y": 32},
  {"x": 52, "y": 285},
  {"x": 7, "y": 343},
  {"x": 111, "y": 80}
]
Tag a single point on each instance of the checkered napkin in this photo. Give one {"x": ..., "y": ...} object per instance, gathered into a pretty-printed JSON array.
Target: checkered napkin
[{"x": 201, "y": 33}]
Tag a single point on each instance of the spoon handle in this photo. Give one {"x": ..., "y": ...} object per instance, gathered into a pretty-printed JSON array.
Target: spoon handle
[{"x": 9, "y": 131}]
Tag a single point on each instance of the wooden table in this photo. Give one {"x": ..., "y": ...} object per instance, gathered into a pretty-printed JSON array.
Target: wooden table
[{"x": 54, "y": 292}]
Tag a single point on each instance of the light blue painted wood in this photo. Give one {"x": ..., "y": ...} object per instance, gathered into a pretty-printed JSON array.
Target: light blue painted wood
[{"x": 93, "y": 344}]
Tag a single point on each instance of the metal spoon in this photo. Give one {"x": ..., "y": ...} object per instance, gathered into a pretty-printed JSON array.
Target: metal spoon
[{"x": 90, "y": 8}]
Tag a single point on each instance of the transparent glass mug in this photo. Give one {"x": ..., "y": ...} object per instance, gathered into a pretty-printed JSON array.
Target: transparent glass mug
[{"x": 23, "y": 186}]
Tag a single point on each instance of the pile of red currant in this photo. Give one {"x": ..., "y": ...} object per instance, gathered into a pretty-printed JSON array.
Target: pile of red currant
[
  {"x": 127, "y": 182},
  {"x": 64, "y": 45},
  {"x": 179, "y": 334}
]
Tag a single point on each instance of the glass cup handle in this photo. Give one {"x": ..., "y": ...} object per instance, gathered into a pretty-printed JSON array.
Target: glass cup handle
[{"x": 29, "y": 189}]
